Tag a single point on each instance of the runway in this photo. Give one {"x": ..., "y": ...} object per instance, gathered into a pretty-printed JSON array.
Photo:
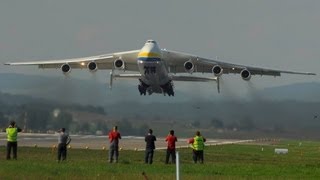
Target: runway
[{"x": 100, "y": 142}]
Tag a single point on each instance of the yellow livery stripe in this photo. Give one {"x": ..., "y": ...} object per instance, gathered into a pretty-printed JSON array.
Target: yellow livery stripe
[{"x": 149, "y": 55}]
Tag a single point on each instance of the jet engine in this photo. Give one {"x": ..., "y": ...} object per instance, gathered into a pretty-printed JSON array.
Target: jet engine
[
  {"x": 217, "y": 70},
  {"x": 245, "y": 74},
  {"x": 189, "y": 66},
  {"x": 119, "y": 64},
  {"x": 66, "y": 68},
  {"x": 92, "y": 66}
]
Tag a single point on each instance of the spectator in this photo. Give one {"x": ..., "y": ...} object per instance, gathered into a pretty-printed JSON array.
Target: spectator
[
  {"x": 150, "y": 146},
  {"x": 197, "y": 144},
  {"x": 63, "y": 141},
  {"x": 114, "y": 137},
  {"x": 12, "y": 137},
  {"x": 171, "y": 148}
]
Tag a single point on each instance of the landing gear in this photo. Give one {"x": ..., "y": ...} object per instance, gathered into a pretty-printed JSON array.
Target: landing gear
[
  {"x": 168, "y": 88},
  {"x": 142, "y": 90},
  {"x": 165, "y": 89},
  {"x": 142, "y": 87},
  {"x": 170, "y": 91}
]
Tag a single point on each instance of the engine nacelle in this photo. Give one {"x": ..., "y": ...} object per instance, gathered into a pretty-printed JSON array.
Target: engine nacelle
[
  {"x": 66, "y": 68},
  {"x": 92, "y": 66},
  {"x": 217, "y": 70},
  {"x": 245, "y": 74},
  {"x": 119, "y": 64},
  {"x": 189, "y": 66}
]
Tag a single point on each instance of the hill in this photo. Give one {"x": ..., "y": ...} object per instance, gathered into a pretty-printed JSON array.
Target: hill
[
  {"x": 93, "y": 92},
  {"x": 286, "y": 110}
]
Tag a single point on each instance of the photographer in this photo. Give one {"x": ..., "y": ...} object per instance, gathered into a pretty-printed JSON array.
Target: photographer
[
  {"x": 63, "y": 141},
  {"x": 12, "y": 136}
]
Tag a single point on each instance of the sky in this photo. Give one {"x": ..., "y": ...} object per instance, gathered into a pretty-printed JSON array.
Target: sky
[{"x": 279, "y": 34}]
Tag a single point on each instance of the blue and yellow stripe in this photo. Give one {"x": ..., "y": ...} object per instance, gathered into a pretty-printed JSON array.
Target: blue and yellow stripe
[{"x": 149, "y": 56}]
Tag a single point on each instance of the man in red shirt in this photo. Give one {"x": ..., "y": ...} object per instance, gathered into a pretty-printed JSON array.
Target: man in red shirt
[
  {"x": 114, "y": 137},
  {"x": 171, "y": 148}
]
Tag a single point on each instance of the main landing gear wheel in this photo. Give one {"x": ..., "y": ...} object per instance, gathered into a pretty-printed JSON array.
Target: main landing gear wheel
[{"x": 142, "y": 90}]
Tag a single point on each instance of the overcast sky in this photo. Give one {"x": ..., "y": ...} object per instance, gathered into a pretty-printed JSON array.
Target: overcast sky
[{"x": 280, "y": 34}]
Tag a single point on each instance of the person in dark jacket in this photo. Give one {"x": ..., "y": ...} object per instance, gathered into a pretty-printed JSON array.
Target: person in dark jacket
[
  {"x": 150, "y": 146},
  {"x": 63, "y": 140},
  {"x": 12, "y": 139}
]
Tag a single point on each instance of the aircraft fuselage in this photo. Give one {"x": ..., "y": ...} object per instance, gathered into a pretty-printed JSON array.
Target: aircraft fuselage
[{"x": 154, "y": 74}]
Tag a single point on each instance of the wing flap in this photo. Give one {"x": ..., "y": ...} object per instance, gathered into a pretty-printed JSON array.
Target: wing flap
[
  {"x": 127, "y": 76},
  {"x": 193, "y": 78}
]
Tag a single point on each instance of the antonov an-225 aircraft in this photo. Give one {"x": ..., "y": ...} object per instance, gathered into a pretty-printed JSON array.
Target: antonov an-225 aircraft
[{"x": 156, "y": 68}]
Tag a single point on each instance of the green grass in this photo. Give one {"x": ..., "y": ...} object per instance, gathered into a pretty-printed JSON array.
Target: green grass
[{"x": 222, "y": 162}]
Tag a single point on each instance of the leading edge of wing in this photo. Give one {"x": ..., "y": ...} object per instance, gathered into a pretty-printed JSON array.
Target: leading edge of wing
[
  {"x": 75, "y": 60},
  {"x": 302, "y": 73},
  {"x": 84, "y": 59}
]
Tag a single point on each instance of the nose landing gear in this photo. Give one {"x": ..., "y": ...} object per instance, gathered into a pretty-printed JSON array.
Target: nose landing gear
[{"x": 142, "y": 87}]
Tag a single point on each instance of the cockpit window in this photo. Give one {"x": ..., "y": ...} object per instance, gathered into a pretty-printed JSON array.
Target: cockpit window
[{"x": 150, "y": 41}]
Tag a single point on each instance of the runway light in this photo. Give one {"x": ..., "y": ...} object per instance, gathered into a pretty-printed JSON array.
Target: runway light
[
  {"x": 103, "y": 148},
  {"x": 135, "y": 149},
  {"x": 69, "y": 147},
  {"x": 87, "y": 147},
  {"x": 120, "y": 148},
  {"x": 35, "y": 145},
  {"x": 82, "y": 63}
]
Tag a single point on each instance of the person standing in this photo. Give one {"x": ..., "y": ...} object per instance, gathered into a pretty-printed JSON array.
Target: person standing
[
  {"x": 150, "y": 146},
  {"x": 197, "y": 144},
  {"x": 12, "y": 137},
  {"x": 114, "y": 137},
  {"x": 63, "y": 140},
  {"x": 171, "y": 147}
]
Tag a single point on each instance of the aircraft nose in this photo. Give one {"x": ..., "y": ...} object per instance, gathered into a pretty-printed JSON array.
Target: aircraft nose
[{"x": 150, "y": 52}]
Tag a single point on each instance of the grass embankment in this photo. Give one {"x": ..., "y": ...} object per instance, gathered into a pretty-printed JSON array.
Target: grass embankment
[{"x": 224, "y": 162}]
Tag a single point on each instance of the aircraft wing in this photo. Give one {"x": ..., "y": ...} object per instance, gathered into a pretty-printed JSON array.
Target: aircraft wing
[
  {"x": 104, "y": 61},
  {"x": 175, "y": 61}
]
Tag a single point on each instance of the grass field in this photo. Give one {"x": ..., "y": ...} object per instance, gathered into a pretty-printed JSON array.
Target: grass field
[{"x": 221, "y": 162}]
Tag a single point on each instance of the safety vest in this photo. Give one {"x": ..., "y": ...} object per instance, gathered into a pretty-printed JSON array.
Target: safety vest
[
  {"x": 198, "y": 143},
  {"x": 12, "y": 134}
]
